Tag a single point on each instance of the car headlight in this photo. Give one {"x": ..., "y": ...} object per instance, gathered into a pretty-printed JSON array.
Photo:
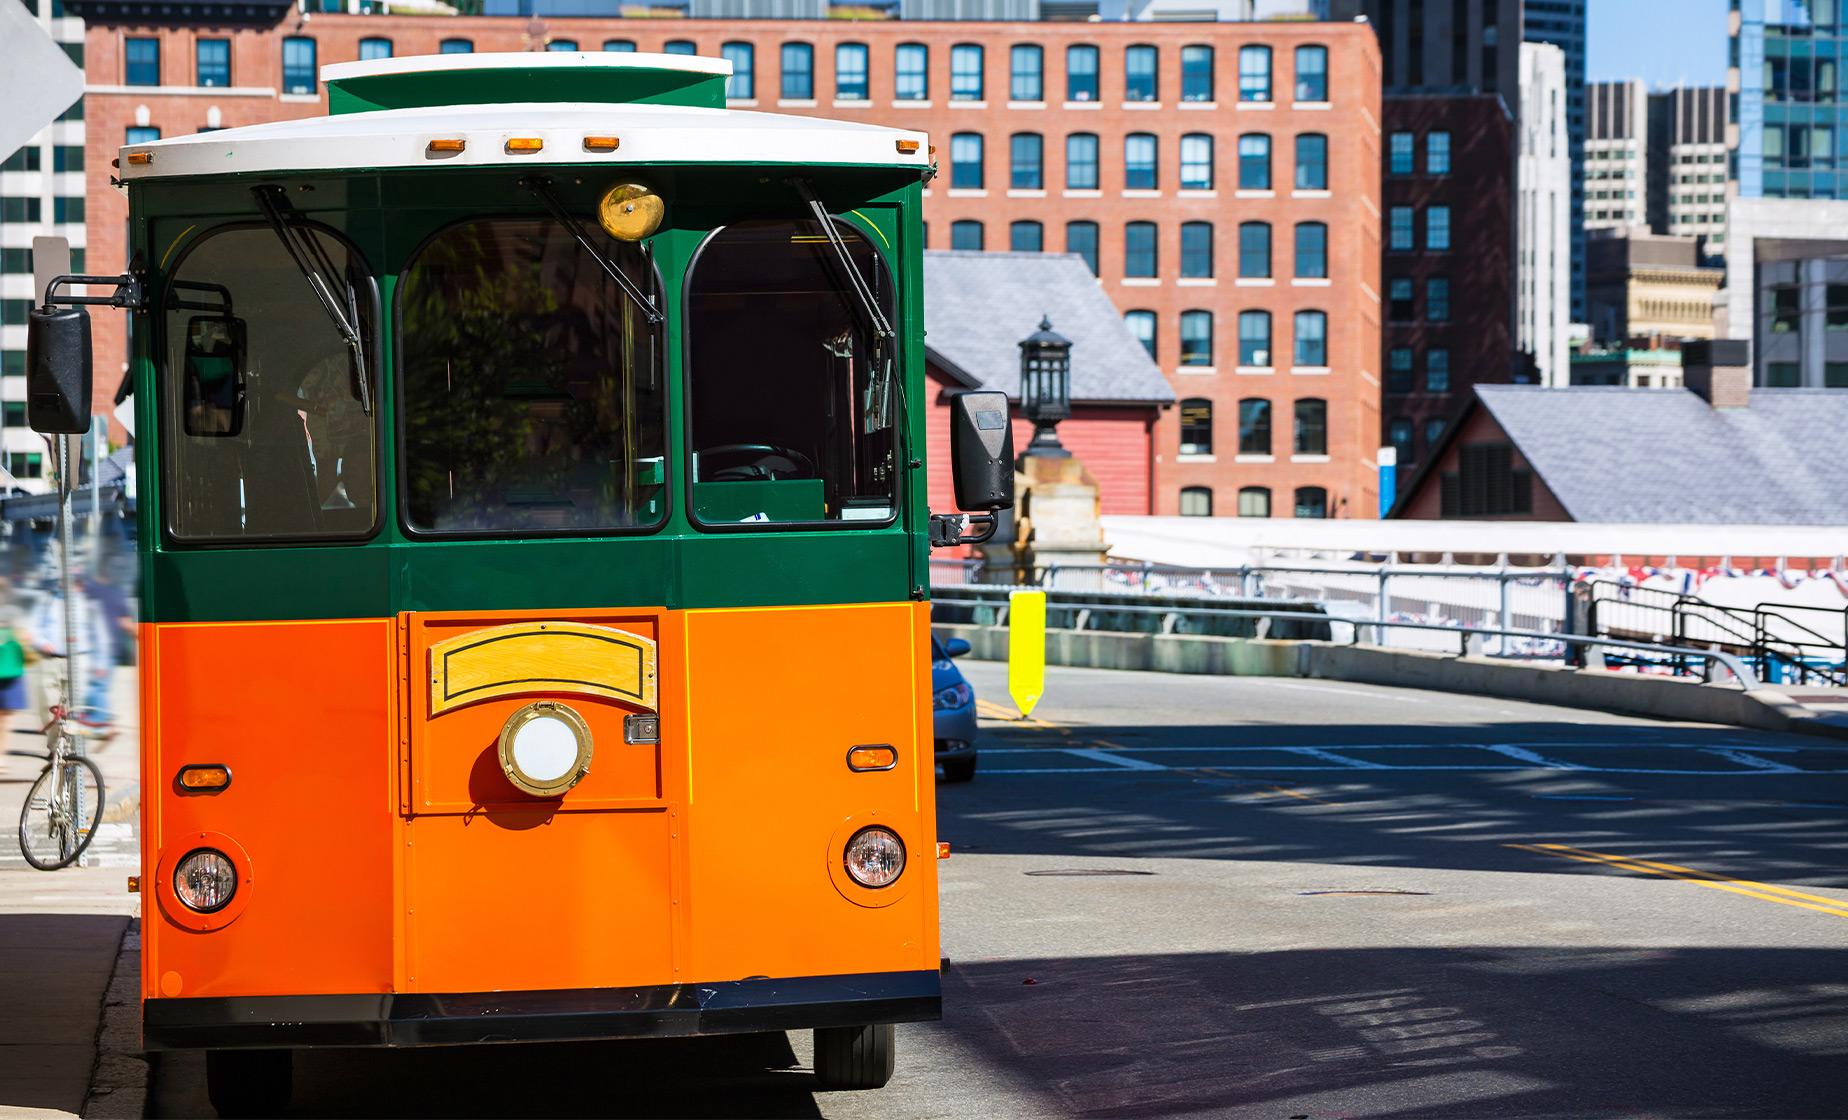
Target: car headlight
[
  {"x": 205, "y": 880},
  {"x": 875, "y": 857},
  {"x": 954, "y": 696}
]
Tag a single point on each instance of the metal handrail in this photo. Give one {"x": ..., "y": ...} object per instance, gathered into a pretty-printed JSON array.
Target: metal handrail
[{"x": 1746, "y": 678}]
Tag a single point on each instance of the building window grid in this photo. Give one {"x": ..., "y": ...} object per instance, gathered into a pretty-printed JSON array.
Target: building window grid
[
  {"x": 1312, "y": 74},
  {"x": 742, "y": 85},
  {"x": 1197, "y": 162},
  {"x": 798, "y": 76},
  {"x": 1081, "y": 172},
  {"x": 1437, "y": 370},
  {"x": 1254, "y": 162},
  {"x": 1311, "y": 433},
  {"x": 1400, "y": 153},
  {"x": 911, "y": 72},
  {"x": 1254, "y": 73},
  {"x": 1196, "y": 501},
  {"x": 1141, "y": 256},
  {"x": 1196, "y": 426},
  {"x": 1312, "y": 339},
  {"x": 1026, "y": 159},
  {"x": 1141, "y": 73},
  {"x": 850, "y": 72},
  {"x": 966, "y": 78},
  {"x": 1081, "y": 73},
  {"x": 1197, "y": 338},
  {"x": 1254, "y": 501},
  {"x": 1254, "y": 250},
  {"x": 1026, "y": 73},
  {"x": 1081, "y": 238},
  {"x": 967, "y": 235},
  {"x": 1254, "y": 426},
  {"x": 1141, "y": 326},
  {"x": 1312, "y": 250},
  {"x": 1197, "y": 73},
  {"x": 1141, "y": 159},
  {"x": 298, "y": 67},
  {"x": 1026, "y": 237},
  {"x": 966, "y": 171},
  {"x": 1437, "y": 299},
  {"x": 141, "y": 61},
  {"x": 1437, "y": 153},
  {"x": 1197, "y": 250},
  {"x": 1254, "y": 339},
  {"x": 212, "y": 60}
]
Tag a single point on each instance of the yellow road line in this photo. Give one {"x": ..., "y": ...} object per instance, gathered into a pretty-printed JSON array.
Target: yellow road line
[
  {"x": 1764, "y": 892},
  {"x": 995, "y": 711}
]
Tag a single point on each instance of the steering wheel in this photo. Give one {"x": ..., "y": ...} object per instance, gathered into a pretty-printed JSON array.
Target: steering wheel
[{"x": 762, "y": 468}]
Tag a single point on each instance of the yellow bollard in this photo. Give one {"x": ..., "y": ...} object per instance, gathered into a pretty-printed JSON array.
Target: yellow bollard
[{"x": 1026, "y": 648}]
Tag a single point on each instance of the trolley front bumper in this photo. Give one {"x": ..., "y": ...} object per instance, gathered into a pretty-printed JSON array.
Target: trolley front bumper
[{"x": 418, "y": 1019}]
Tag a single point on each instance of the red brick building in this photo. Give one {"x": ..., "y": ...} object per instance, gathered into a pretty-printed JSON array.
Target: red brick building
[{"x": 1221, "y": 178}]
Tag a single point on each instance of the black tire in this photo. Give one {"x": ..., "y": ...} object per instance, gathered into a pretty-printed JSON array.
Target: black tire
[
  {"x": 959, "y": 768},
  {"x": 855, "y": 1057},
  {"x": 244, "y": 1083},
  {"x": 48, "y": 844}
]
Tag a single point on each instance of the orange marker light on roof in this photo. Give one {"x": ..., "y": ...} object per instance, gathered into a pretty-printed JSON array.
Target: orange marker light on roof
[
  {"x": 141, "y": 157},
  {"x": 907, "y": 147},
  {"x": 524, "y": 143},
  {"x": 449, "y": 144},
  {"x": 601, "y": 143}
]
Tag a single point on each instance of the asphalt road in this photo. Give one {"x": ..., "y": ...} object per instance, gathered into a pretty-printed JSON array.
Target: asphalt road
[{"x": 1185, "y": 896}]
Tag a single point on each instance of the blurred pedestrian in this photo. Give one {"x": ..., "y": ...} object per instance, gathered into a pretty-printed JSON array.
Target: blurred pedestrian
[
  {"x": 12, "y": 669},
  {"x": 95, "y": 651}
]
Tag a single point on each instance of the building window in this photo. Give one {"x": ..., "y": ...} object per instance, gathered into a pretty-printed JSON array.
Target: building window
[
  {"x": 1254, "y": 149},
  {"x": 213, "y": 59},
  {"x": 1196, "y": 501},
  {"x": 1026, "y": 73},
  {"x": 1081, "y": 238},
  {"x": 742, "y": 85},
  {"x": 966, "y": 235},
  {"x": 1254, "y": 250},
  {"x": 911, "y": 72},
  {"x": 1254, "y": 426},
  {"x": 1312, "y": 250},
  {"x": 561, "y": 45},
  {"x": 298, "y": 75},
  {"x": 1399, "y": 296},
  {"x": 1197, "y": 73},
  {"x": 15, "y": 312},
  {"x": 966, "y": 161},
  {"x": 1312, "y": 73},
  {"x": 1437, "y": 228},
  {"x": 1254, "y": 501},
  {"x": 1196, "y": 162},
  {"x": 1311, "y": 427},
  {"x": 1254, "y": 74},
  {"x": 680, "y": 46},
  {"x": 1139, "y": 159},
  {"x": 1399, "y": 369},
  {"x": 1786, "y": 312},
  {"x": 1196, "y": 426},
  {"x": 1437, "y": 370},
  {"x": 1312, "y": 338},
  {"x": 1311, "y": 501},
  {"x": 1437, "y": 153},
  {"x": 1434, "y": 431},
  {"x": 1140, "y": 74},
  {"x": 1399, "y": 434},
  {"x": 1026, "y": 237},
  {"x": 1026, "y": 153},
  {"x": 1254, "y": 338},
  {"x": 1312, "y": 162},
  {"x": 15, "y": 410},
  {"x": 1486, "y": 483},
  {"x": 1140, "y": 258},
  {"x": 1141, "y": 324},
  {"x": 64, "y": 157},
  {"x": 25, "y": 159},
  {"x": 1196, "y": 338},
  {"x": 1400, "y": 152},
  {"x": 1081, "y": 73},
  {"x": 141, "y": 61},
  {"x": 966, "y": 72},
  {"x": 619, "y": 46},
  {"x": 141, "y": 134},
  {"x": 1081, "y": 162},
  {"x": 17, "y": 208},
  {"x": 1197, "y": 250},
  {"x": 65, "y": 209},
  {"x": 1835, "y": 307},
  {"x": 1778, "y": 375},
  {"x": 1399, "y": 229},
  {"x": 850, "y": 68},
  {"x": 1437, "y": 299},
  {"x": 798, "y": 72},
  {"x": 467, "y": 46},
  {"x": 25, "y": 464}
]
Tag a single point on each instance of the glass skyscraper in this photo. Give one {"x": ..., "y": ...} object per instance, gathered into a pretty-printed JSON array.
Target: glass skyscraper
[{"x": 1789, "y": 107}]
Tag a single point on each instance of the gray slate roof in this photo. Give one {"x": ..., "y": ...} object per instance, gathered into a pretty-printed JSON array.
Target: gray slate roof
[
  {"x": 1615, "y": 454},
  {"x": 978, "y": 306}
]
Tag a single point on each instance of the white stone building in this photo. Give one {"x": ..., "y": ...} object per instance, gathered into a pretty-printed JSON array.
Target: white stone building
[
  {"x": 1543, "y": 176},
  {"x": 1616, "y": 155}
]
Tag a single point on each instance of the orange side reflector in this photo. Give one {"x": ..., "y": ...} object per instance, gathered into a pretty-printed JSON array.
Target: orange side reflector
[
  {"x": 601, "y": 143},
  {"x": 875, "y": 757},
  {"x": 204, "y": 779},
  {"x": 141, "y": 157},
  {"x": 524, "y": 144},
  {"x": 134, "y": 884},
  {"x": 943, "y": 849},
  {"x": 452, "y": 144},
  {"x": 907, "y": 147}
]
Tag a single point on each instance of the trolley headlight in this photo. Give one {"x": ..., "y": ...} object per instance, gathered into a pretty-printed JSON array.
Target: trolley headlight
[
  {"x": 545, "y": 748},
  {"x": 630, "y": 211},
  {"x": 875, "y": 857},
  {"x": 205, "y": 880}
]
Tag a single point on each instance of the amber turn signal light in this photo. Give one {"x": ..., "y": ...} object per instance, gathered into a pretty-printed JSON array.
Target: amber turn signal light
[
  {"x": 907, "y": 147},
  {"x": 449, "y": 144},
  {"x": 204, "y": 778},
  {"x": 140, "y": 157},
  {"x": 874, "y": 756},
  {"x": 524, "y": 143},
  {"x": 943, "y": 849},
  {"x": 134, "y": 884},
  {"x": 601, "y": 143}
]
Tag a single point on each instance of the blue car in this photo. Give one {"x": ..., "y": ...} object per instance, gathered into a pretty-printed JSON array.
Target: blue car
[{"x": 953, "y": 704}]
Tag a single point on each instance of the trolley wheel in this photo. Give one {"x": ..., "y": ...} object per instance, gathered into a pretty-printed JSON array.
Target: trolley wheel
[
  {"x": 249, "y": 1082},
  {"x": 855, "y": 1057},
  {"x": 960, "y": 768}
]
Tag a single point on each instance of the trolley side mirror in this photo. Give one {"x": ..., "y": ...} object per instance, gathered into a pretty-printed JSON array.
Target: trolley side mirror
[
  {"x": 215, "y": 384},
  {"x": 982, "y": 451},
  {"x": 58, "y": 370}
]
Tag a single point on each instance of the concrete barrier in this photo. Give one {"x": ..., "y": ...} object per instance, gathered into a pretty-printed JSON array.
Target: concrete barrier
[{"x": 1601, "y": 690}]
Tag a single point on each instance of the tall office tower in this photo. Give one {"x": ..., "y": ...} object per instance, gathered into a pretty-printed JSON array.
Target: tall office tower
[
  {"x": 1687, "y": 165},
  {"x": 1543, "y": 222},
  {"x": 41, "y": 193},
  {"x": 1433, "y": 46},
  {"x": 1617, "y": 171},
  {"x": 1562, "y": 23}
]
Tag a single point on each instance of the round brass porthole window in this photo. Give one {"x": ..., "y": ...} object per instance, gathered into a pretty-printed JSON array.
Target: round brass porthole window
[{"x": 545, "y": 748}]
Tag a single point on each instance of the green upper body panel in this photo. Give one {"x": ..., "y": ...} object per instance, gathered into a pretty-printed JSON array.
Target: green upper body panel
[{"x": 590, "y": 77}]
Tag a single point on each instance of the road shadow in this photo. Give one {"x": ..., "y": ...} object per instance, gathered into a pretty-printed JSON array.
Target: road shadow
[
  {"x": 1249, "y": 797},
  {"x": 54, "y": 970}
]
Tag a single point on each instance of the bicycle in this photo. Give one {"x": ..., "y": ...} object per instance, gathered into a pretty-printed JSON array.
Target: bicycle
[{"x": 65, "y": 804}]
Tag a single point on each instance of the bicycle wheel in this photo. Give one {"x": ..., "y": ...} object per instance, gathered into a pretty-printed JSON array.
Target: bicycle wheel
[{"x": 62, "y": 810}]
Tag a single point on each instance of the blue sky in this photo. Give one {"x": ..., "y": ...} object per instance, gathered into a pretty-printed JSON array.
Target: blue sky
[{"x": 1663, "y": 42}]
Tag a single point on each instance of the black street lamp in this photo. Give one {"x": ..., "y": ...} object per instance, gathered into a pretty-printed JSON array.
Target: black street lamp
[{"x": 1046, "y": 387}]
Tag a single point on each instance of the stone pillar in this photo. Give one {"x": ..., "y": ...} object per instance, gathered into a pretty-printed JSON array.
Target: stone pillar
[{"x": 1058, "y": 523}]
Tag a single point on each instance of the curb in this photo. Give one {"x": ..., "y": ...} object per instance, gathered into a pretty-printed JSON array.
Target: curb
[{"x": 119, "y": 1082}]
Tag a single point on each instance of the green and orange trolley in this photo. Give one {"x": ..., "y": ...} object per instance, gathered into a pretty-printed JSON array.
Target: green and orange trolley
[{"x": 534, "y": 567}]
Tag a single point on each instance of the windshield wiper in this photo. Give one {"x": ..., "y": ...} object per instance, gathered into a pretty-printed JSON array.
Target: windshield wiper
[
  {"x": 311, "y": 257},
  {"x": 541, "y": 188},
  {"x": 862, "y": 291}
]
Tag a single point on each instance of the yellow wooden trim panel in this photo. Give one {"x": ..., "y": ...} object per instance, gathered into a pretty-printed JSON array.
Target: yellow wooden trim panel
[{"x": 543, "y": 657}]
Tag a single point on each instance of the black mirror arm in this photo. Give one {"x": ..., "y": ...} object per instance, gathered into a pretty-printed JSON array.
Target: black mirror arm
[
  {"x": 127, "y": 294},
  {"x": 946, "y": 529},
  {"x": 541, "y": 189}
]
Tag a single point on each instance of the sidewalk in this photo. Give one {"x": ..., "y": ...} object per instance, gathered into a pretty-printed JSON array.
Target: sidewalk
[{"x": 60, "y": 931}]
